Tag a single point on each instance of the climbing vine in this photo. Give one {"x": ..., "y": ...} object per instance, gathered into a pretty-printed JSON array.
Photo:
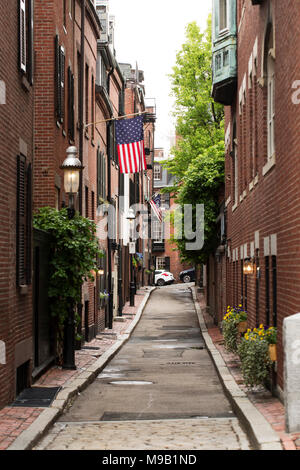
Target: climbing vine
[{"x": 74, "y": 251}]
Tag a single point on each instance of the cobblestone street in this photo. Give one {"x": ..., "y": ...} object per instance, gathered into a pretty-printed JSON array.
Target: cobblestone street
[{"x": 160, "y": 391}]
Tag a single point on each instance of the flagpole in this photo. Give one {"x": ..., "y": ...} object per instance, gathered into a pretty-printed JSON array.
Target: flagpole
[{"x": 115, "y": 118}]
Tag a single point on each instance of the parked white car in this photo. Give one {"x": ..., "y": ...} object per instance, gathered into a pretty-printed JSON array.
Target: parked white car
[{"x": 162, "y": 277}]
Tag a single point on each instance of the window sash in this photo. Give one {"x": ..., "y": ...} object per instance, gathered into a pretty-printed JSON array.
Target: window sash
[{"x": 223, "y": 15}]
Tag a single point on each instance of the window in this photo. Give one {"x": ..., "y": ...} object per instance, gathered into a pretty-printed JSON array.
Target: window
[
  {"x": 78, "y": 85},
  {"x": 60, "y": 80},
  {"x": 271, "y": 106},
  {"x": 71, "y": 104},
  {"x": 235, "y": 167},
  {"x": 101, "y": 176},
  {"x": 65, "y": 12},
  {"x": 223, "y": 14},
  {"x": 157, "y": 172},
  {"x": 87, "y": 95},
  {"x": 93, "y": 108},
  {"x": 157, "y": 231},
  {"x": 26, "y": 38},
  {"x": 160, "y": 263}
]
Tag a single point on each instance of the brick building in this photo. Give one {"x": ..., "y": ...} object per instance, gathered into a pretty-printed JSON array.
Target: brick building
[
  {"x": 138, "y": 187},
  {"x": 69, "y": 95},
  {"x": 255, "y": 73},
  {"x": 16, "y": 156},
  {"x": 165, "y": 252},
  {"x": 65, "y": 41}
]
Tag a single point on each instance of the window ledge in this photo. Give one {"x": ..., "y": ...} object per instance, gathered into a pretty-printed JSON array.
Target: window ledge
[
  {"x": 228, "y": 201},
  {"x": 269, "y": 165},
  {"x": 253, "y": 183},
  {"x": 25, "y": 83}
]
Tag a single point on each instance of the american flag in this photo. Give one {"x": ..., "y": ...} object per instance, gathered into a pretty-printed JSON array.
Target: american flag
[
  {"x": 130, "y": 144},
  {"x": 155, "y": 204}
]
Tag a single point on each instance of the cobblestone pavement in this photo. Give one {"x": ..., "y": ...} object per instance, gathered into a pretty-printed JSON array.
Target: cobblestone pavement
[
  {"x": 194, "y": 434},
  {"x": 159, "y": 392}
]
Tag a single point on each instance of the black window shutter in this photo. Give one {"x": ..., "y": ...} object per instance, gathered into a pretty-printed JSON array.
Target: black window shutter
[
  {"x": 71, "y": 117},
  {"x": 21, "y": 225},
  {"x": 167, "y": 263},
  {"x": 104, "y": 177},
  {"x": 99, "y": 178},
  {"x": 57, "y": 79},
  {"x": 62, "y": 86},
  {"x": 29, "y": 225}
]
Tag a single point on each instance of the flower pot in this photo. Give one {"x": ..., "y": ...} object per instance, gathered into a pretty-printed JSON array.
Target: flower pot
[
  {"x": 273, "y": 352},
  {"x": 242, "y": 326}
]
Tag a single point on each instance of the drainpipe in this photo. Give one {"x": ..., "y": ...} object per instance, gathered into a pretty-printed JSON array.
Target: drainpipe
[
  {"x": 81, "y": 98},
  {"x": 110, "y": 299}
]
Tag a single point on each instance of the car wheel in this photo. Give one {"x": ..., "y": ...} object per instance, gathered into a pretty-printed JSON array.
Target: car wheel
[
  {"x": 160, "y": 282},
  {"x": 186, "y": 278}
]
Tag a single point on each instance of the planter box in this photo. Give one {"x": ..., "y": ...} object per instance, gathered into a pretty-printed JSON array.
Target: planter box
[
  {"x": 242, "y": 326},
  {"x": 273, "y": 352}
]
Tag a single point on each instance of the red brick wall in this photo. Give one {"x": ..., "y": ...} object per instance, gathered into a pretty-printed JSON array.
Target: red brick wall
[
  {"x": 16, "y": 118},
  {"x": 272, "y": 206},
  {"x": 51, "y": 137}
]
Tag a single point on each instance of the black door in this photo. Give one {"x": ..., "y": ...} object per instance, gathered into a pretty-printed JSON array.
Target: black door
[{"x": 42, "y": 322}]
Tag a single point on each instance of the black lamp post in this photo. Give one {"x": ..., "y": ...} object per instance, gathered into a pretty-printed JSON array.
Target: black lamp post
[
  {"x": 72, "y": 168},
  {"x": 131, "y": 218}
]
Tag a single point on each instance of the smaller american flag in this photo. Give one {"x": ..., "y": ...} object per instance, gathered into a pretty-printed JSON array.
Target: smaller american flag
[
  {"x": 155, "y": 204},
  {"x": 130, "y": 144}
]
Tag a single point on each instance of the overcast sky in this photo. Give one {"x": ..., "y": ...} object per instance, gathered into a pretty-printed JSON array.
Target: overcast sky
[{"x": 150, "y": 33}]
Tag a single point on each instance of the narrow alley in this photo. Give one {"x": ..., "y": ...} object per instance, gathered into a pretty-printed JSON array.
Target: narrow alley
[{"x": 161, "y": 390}]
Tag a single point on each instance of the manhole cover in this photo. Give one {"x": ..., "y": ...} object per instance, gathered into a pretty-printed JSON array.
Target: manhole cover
[
  {"x": 181, "y": 363},
  {"x": 131, "y": 382}
]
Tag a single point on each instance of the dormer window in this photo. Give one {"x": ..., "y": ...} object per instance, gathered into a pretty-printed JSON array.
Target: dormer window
[{"x": 223, "y": 15}]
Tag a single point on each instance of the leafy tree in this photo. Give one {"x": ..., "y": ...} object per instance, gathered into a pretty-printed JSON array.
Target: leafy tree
[{"x": 198, "y": 158}]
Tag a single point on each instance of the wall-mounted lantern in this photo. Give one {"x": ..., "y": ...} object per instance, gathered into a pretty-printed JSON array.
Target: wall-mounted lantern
[{"x": 248, "y": 267}]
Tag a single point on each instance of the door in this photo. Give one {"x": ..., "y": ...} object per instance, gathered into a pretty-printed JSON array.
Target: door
[{"x": 42, "y": 321}]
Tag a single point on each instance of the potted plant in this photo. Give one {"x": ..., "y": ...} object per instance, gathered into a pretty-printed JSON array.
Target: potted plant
[
  {"x": 234, "y": 322},
  {"x": 103, "y": 295},
  {"x": 271, "y": 337},
  {"x": 241, "y": 318},
  {"x": 253, "y": 351}
]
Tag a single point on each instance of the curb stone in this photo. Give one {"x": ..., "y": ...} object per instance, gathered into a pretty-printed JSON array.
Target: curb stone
[
  {"x": 28, "y": 438},
  {"x": 259, "y": 431}
]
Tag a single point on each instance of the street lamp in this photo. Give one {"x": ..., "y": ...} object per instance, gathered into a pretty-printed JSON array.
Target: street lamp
[
  {"x": 131, "y": 218},
  {"x": 71, "y": 167}
]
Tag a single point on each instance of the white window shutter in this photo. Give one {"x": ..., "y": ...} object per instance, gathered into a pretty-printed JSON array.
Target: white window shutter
[{"x": 22, "y": 33}]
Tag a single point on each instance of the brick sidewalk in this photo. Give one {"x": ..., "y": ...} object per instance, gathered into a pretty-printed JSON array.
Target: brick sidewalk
[
  {"x": 15, "y": 420},
  {"x": 270, "y": 407}
]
